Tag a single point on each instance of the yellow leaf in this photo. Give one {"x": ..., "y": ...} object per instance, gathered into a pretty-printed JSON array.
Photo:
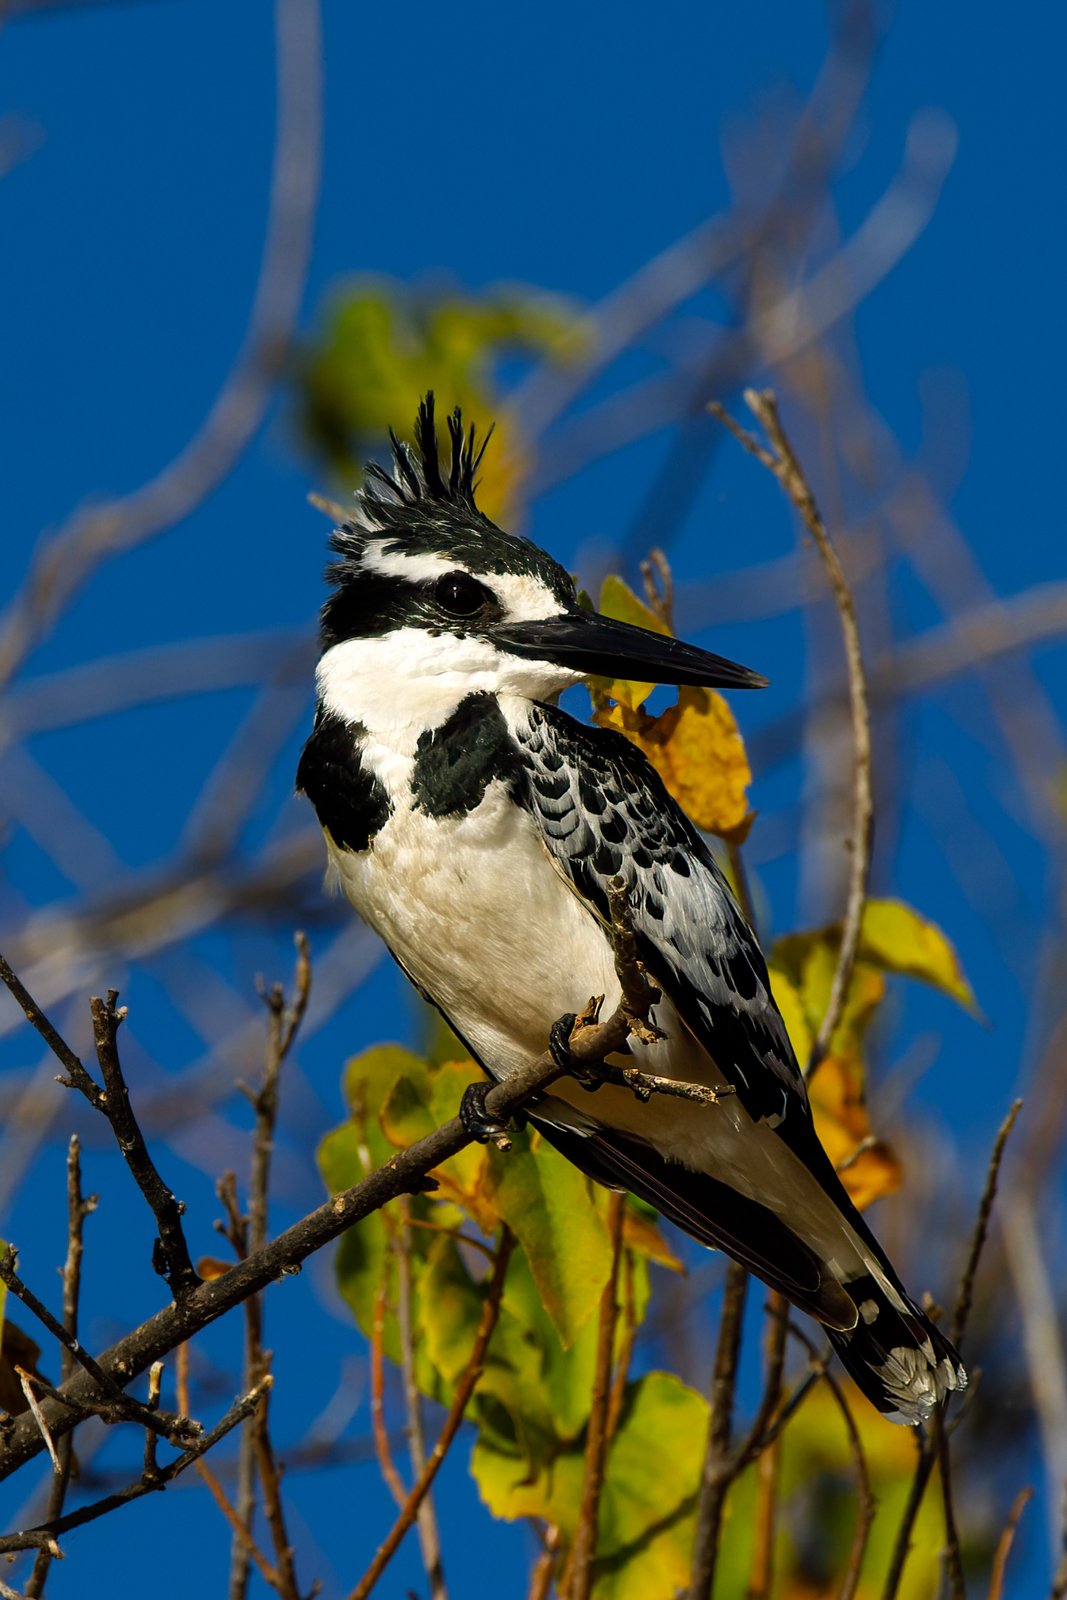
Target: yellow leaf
[
  {"x": 791, "y": 1005},
  {"x": 618, "y": 601},
  {"x": 698, "y": 751},
  {"x": 898, "y": 939},
  {"x": 640, "y": 1233},
  {"x": 867, "y": 1166}
]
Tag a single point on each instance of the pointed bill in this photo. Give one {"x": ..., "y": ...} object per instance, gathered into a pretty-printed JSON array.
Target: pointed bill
[{"x": 598, "y": 646}]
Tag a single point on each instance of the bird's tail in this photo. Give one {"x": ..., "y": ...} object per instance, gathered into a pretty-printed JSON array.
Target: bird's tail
[{"x": 901, "y": 1361}]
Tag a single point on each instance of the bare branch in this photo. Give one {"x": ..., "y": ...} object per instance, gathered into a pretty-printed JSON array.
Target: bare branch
[
  {"x": 407, "y": 1172},
  {"x": 782, "y": 461},
  {"x": 464, "y": 1389},
  {"x": 926, "y": 1456},
  {"x": 377, "y": 1384},
  {"x": 78, "y": 1208},
  {"x": 172, "y": 1260},
  {"x": 981, "y": 1227},
  {"x": 33, "y": 1538},
  {"x": 1005, "y": 1542},
  {"x": 583, "y": 1550},
  {"x": 214, "y": 1487},
  {"x": 719, "y": 1468},
  {"x": 65, "y": 560}
]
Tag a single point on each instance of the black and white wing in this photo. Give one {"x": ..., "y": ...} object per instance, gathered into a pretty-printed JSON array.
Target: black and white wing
[{"x": 603, "y": 813}]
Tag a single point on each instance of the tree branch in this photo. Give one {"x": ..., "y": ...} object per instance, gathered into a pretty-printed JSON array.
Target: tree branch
[
  {"x": 64, "y": 561},
  {"x": 464, "y": 1390},
  {"x": 781, "y": 460},
  {"x": 583, "y": 1551},
  {"x": 719, "y": 1468},
  {"x": 408, "y": 1172}
]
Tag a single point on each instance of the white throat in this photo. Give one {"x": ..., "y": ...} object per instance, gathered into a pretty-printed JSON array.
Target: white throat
[{"x": 402, "y": 683}]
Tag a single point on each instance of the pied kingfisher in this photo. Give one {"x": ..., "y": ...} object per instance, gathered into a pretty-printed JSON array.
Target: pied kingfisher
[{"x": 476, "y": 827}]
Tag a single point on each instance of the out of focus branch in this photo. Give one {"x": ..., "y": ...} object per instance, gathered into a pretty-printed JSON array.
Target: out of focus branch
[
  {"x": 64, "y": 561},
  {"x": 465, "y": 1387},
  {"x": 719, "y": 1466},
  {"x": 78, "y": 1208},
  {"x": 577, "y": 1583},
  {"x": 781, "y": 460}
]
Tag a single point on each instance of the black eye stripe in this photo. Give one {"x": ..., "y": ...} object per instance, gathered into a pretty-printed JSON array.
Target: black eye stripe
[{"x": 460, "y": 595}]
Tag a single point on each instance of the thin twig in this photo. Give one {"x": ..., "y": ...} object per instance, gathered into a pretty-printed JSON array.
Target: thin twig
[
  {"x": 64, "y": 561},
  {"x": 256, "y": 1453},
  {"x": 583, "y": 1550},
  {"x": 111, "y": 1402},
  {"x": 217, "y": 1492},
  {"x": 762, "y": 1573},
  {"x": 1059, "y": 1577},
  {"x": 78, "y": 1208},
  {"x": 377, "y": 1390},
  {"x": 407, "y": 1172},
  {"x": 718, "y": 1468},
  {"x": 658, "y": 580},
  {"x": 952, "y": 1552},
  {"x": 464, "y": 1389},
  {"x": 545, "y": 1567},
  {"x": 867, "y": 1506},
  {"x": 172, "y": 1260},
  {"x": 625, "y": 1352},
  {"x": 902, "y": 1544},
  {"x": 782, "y": 461},
  {"x": 1005, "y": 1542},
  {"x": 32, "y": 1538},
  {"x": 113, "y": 1102},
  {"x": 426, "y": 1519},
  {"x": 981, "y": 1227},
  {"x": 37, "y": 1019}
]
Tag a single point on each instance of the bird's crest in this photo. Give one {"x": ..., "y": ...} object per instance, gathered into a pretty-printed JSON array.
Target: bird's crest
[{"x": 416, "y": 478}]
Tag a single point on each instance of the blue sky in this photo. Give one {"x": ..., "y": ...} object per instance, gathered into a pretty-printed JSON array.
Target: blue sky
[{"x": 584, "y": 141}]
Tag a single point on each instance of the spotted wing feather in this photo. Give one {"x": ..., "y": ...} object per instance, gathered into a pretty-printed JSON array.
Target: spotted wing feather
[{"x": 604, "y": 813}]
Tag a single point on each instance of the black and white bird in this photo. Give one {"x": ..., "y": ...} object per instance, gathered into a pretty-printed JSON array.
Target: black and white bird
[{"x": 476, "y": 828}]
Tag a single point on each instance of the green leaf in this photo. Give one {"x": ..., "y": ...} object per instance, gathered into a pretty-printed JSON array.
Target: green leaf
[
  {"x": 381, "y": 343},
  {"x": 618, "y": 601},
  {"x": 450, "y": 1307},
  {"x": 549, "y": 1207},
  {"x": 649, "y": 1495},
  {"x": 898, "y": 939},
  {"x": 649, "y": 1499}
]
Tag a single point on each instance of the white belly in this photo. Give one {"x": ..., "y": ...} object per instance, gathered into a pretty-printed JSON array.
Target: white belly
[
  {"x": 474, "y": 909},
  {"x": 476, "y": 912}
]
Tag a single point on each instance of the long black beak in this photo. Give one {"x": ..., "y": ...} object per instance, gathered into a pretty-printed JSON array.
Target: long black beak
[{"x": 597, "y": 646}]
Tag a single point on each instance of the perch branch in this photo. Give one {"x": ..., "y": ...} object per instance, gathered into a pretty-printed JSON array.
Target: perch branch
[{"x": 408, "y": 1172}]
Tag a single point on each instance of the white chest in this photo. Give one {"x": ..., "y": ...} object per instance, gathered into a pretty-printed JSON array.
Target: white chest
[{"x": 473, "y": 908}]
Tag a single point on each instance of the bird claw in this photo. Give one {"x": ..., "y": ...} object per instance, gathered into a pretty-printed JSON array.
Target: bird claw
[
  {"x": 479, "y": 1123},
  {"x": 559, "y": 1040}
]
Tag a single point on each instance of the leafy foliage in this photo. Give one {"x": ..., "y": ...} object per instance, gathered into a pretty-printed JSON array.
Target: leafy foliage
[{"x": 382, "y": 342}]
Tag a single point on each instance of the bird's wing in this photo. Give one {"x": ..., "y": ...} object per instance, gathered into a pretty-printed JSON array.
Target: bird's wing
[{"x": 603, "y": 813}]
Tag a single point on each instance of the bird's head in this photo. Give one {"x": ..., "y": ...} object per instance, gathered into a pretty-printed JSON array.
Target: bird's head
[{"x": 430, "y": 600}]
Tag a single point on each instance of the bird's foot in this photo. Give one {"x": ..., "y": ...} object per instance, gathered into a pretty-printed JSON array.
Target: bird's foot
[
  {"x": 559, "y": 1045},
  {"x": 479, "y": 1123}
]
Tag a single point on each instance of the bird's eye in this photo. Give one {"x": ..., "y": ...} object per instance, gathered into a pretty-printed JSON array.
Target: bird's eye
[{"x": 459, "y": 594}]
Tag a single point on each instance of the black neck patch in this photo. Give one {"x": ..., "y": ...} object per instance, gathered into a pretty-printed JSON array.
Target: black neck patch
[
  {"x": 350, "y": 802},
  {"x": 455, "y": 763}
]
